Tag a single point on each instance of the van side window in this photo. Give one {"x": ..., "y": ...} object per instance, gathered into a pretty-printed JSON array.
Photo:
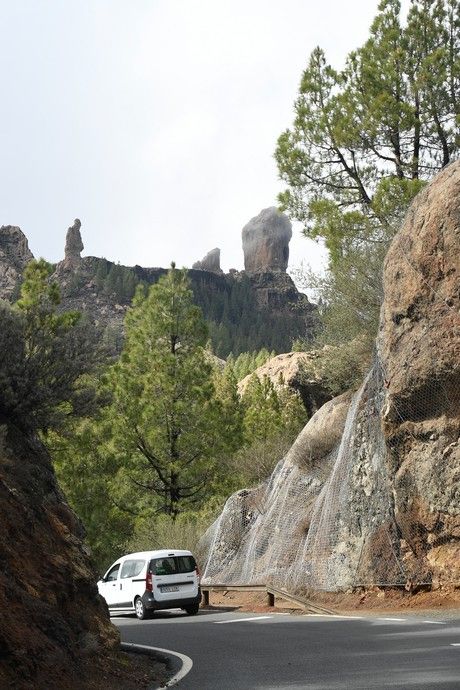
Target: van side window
[
  {"x": 131, "y": 568},
  {"x": 113, "y": 573}
]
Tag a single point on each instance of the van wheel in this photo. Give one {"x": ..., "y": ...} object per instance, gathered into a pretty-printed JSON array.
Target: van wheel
[
  {"x": 192, "y": 610},
  {"x": 141, "y": 611}
]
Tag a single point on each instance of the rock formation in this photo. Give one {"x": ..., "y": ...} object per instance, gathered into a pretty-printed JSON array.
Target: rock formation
[
  {"x": 297, "y": 371},
  {"x": 266, "y": 242},
  {"x": 420, "y": 351},
  {"x": 211, "y": 262},
  {"x": 73, "y": 248},
  {"x": 14, "y": 257},
  {"x": 52, "y": 619},
  {"x": 382, "y": 505},
  {"x": 261, "y": 309}
]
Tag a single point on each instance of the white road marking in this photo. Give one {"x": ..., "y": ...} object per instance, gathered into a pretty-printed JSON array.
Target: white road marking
[
  {"x": 334, "y": 615},
  {"x": 186, "y": 667},
  {"x": 399, "y": 620},
  {"x": 242, "y": 620},
  {"x": 455, "y": 644},
  {"x": 435, "y": 622}
]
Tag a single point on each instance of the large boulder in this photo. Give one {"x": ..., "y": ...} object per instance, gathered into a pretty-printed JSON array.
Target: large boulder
[
  {"x": 419, "y": 345},
  {"x": 297, "y": 371},
  {"x": 261, "y": 531},
  {"x": 266, "y": 242},
  {"x": 14, "y": 257}
]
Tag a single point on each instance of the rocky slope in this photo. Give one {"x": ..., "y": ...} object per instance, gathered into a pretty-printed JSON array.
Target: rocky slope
[
  {"x": 52, "y": 619},
  {"x": 372, "y": 496}
]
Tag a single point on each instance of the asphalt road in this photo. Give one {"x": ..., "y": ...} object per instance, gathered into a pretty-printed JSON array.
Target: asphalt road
[{"x": 245, "y": 651}]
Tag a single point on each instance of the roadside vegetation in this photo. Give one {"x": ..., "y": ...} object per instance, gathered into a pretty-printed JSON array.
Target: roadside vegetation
[{"x": 172, "y": 437}]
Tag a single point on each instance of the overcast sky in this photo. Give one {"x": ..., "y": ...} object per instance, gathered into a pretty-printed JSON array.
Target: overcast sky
[{"x": 155, "y": 121}]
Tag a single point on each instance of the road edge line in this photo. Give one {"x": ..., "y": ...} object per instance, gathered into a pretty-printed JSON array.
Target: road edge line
[{"x": 185, "y": 661}]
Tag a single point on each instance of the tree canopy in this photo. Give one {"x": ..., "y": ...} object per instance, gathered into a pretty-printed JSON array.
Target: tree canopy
[
  {"x": 366, "y": 138},
  {"x": 45, "y": 356}
]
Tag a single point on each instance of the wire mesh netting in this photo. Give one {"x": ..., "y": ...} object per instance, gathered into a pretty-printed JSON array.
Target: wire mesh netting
[{"x": 382, "y": 505}]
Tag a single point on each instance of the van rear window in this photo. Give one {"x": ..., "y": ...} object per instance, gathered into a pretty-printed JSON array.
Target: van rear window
[{"x": 172, "y": 565}]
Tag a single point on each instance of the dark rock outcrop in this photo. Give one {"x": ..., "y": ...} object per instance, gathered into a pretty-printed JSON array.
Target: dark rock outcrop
[
  {"x": 14, "y": 257},
  {"x": 211, "y": 262},
  {"x": 266, "y": 242},
  {"x": 52, "y": 617}
]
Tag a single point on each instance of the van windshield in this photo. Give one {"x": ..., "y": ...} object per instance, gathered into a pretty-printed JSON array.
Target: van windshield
[{"x": 172, "y": 565}]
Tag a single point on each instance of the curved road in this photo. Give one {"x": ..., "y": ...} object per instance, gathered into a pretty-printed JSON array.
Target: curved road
[{"x": 245, "y": 651}]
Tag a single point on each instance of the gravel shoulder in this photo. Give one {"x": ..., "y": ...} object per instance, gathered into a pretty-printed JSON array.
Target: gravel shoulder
[{"x": 375, "y": 600}]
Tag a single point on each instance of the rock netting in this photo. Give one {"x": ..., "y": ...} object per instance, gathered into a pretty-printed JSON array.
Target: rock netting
[
  {"x": 266, "y": 242},
  {"x": 383, "y": 506},
  {"x": 420, "y": 350}
]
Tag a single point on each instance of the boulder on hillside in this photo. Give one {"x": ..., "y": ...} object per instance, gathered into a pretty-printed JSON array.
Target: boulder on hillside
[
  {"x": 14, "y": 257},
  {"x": 266, "y": 242},
  {"x": 297, "y": 371}
]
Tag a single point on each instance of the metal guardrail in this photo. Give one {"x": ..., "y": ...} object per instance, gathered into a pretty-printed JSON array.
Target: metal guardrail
[{"x": 272, "y": 593}]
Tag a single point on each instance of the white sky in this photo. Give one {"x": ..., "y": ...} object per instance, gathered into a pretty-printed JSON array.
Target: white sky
[{"x": 155, "y": 121}]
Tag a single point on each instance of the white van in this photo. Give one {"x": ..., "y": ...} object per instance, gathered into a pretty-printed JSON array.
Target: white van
[{"x": 149, "y": 580}]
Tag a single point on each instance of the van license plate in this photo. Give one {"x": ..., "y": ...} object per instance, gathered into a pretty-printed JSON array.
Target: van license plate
[{"x": 170, "y": 589}]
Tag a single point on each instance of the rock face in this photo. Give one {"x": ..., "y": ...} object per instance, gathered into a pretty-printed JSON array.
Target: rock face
[
  {"x": 266, "y": 242},
  {"x": 295, "y": 370},
  {"x": 52, "y": 617},
  {"x": 211, "y": 262},
  {"x": 382, "y": 504},
  {"x": 14, "y": 257},
  {"x": 420, "y": 352}
]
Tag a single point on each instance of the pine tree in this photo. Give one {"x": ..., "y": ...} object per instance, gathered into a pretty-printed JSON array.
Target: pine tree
[{"x": 165, "y": 413}]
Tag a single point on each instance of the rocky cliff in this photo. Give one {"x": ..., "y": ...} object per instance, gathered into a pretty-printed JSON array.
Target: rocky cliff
[
  {"x": 245, "y": 310},
  {"x": 14, "y": 257},
  {"x": 370, "y": 492},
  {"x": 52, "y": 619}
]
